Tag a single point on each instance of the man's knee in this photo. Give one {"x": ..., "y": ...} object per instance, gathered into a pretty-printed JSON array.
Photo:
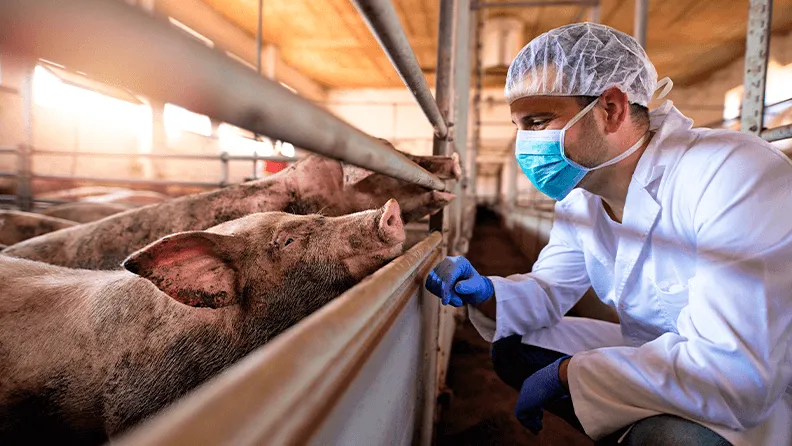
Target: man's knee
[
  {"x": 667, "y": 430},
  {"x": 514, "y": 361},
  {"x": 505, "y": 360}
]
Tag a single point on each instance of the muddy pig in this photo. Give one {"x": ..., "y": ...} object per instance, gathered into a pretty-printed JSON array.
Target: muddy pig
[
  {"x": 87, "y": 354},
  {"x": 82, "y": 212},
  {"x": 16, "y": 226},
  {"x": 313, "y": 185},
  {"x": 131, "y": 197}
]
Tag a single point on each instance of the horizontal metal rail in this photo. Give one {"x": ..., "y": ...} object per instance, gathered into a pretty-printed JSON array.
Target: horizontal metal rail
[
  {"x": 777, "y": 134},
  {"x": 8, "y": 150},
  {"x": 129, "y": 181},
  {"x": 219, "y": 157},
  {"x": 531, "y": 4},
  {"x": 281, "y": 393},
  {"x": 384, "y": 23},
  {"x": 122, "y": 45}
]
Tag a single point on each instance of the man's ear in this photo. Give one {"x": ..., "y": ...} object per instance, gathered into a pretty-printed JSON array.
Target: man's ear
[
  {"x": 195, "y": 268},
  {"x": 617, "y": 107}
]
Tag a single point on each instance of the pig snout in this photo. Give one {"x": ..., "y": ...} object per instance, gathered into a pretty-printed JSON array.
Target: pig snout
[{"x": 391, "y": 227}]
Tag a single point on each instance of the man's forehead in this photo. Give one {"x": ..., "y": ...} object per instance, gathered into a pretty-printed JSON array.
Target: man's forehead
[{"x": 542, "y": 105}]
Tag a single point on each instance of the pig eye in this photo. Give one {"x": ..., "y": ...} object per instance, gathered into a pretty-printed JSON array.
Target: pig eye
[{"x": 288, "y": 241}]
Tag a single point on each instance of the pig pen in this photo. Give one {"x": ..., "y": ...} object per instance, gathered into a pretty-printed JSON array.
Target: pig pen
[{"x": 366, "y": 368}]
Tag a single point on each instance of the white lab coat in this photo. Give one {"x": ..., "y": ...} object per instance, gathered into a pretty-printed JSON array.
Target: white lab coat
[{"x": 701, "y": 280}]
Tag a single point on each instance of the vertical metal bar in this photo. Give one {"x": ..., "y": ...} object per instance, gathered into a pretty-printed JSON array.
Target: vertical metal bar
[
  {"x": 641, "y": 12},
  {"x": 461, "y": 104},
  {"x": 258, "y": 35},
  {"x": 594, "y": 13},
  {"x": 24, "y": 193},
  {"x": 476, "y": 137},
  {"x": 443, "y": 86},
  {"x": 756, "y": 54},
  {"x": 224, "y": 169}
]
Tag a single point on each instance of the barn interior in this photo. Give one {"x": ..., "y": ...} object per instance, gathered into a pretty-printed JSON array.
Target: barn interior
[{"x": 146, "y": 101}]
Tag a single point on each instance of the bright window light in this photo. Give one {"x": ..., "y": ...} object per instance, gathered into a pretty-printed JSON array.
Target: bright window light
[
  {"x": 289, "y": 88},
  {"x": 732, "y": 103},
  {"x": 50, "y": 91},
  {"x": 237, "y": 141},
  {"x": 191, "y": 32},
  {"x": 287, "y": 149},
  {"x": 240, "y": 60},
  {"x": 178, "y": 120}
]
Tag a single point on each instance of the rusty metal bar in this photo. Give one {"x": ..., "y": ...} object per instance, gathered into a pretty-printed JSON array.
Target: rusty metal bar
[
  {"x": 122, "y": 45},
  {"x": 280, "y": 396},
  {"x": 756, "y": 54},
  {"x": 384, "y": 23},
  {"x": 777, "y": 134}
]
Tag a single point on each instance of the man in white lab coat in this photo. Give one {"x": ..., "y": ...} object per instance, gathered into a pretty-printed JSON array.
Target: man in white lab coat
[{"x": 686, "y": 232}]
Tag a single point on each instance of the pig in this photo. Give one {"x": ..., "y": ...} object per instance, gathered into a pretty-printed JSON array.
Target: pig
[
  {"x": 82, "y": 212},
  {"x": 16, "y": 226},
  {"x": 78, "y": 193},
  {"x": 313, "y": 185},
  {"x": 87, "y": 354},
  {"x": 132, "y": 197}
]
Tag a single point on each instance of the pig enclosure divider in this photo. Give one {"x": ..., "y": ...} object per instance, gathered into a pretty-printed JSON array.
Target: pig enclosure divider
[
  {"x": 122, "y": 45},
  {"x": 281, "y": 393}
]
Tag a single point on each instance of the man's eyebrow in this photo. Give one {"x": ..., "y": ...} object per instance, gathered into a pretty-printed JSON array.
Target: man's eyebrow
[{"x": 532, "y": 116}]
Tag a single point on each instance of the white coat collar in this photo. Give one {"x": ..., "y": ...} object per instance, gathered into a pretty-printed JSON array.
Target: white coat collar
[{"x": 642, "y": 207}]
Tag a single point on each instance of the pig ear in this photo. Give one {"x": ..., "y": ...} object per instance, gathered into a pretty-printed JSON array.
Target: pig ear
[
  {"x": 193, "y": 267},
  {"x": 353, "y": 174}
]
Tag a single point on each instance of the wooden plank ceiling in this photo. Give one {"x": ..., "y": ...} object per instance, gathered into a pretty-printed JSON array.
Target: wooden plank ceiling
[{"x": 330, "y": 42}]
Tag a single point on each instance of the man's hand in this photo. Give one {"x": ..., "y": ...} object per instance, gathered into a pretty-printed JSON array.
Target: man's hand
[
  {"x": 543, "y": 387},
  {"x": 456, "y": 282}
]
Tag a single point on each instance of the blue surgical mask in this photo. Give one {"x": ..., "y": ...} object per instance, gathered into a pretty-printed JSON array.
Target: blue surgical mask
[{"x": 540, "y": 155}]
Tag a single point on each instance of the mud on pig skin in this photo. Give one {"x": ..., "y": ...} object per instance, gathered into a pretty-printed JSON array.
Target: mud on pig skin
[
  {"x": 83, "y": 212},
  {"x": 16, "y": 226},
  {"x": 87, "y": 354},
  {"x": 313, "y": 185}
]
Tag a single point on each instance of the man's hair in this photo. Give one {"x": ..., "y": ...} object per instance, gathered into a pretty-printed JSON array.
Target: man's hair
[{"x": 638, "y": 113}]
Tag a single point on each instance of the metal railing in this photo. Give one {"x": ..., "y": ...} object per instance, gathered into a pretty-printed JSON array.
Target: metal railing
[
  {"x": 136, "y": 50},
  {"x": 757, "y": 53}
]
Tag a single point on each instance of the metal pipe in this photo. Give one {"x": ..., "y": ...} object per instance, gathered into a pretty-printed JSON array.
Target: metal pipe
[
  {"x": 259, "y": 35},
  {"x": 122, "y": 45},
  {"x": 165, "y": 156},
  {"x": 641, "y": 13},
  {"x": 24, "y": 190},
  {"x": 443, "y": 89},
  {"x": 462, "y": 69},
  {"x": 530, "y": 4},
  {"x": 756, "y": 54},
  {"x": 128, "y": 181},
  {"x": 384, "y": 23},
  {"x": 594, "y": 13},
  {"x": 778, "y": 133}
]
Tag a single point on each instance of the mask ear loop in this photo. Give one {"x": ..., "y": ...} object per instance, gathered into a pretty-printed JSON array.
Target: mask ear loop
[{"x": 666, "y": 84}]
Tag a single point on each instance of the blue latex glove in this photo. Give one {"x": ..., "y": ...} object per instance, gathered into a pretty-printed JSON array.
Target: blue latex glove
[
  {"x": 538, "y": 390},
  {"x": 456, "y": 283}
]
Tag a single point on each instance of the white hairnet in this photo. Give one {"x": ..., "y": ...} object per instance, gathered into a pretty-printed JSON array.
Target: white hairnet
[{"x": 582, "y": 59}]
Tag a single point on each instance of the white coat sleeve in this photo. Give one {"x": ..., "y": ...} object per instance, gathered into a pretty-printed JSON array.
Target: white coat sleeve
[
  {"x": 526, "y": 302},
  {"x": 729, "y": 362}
]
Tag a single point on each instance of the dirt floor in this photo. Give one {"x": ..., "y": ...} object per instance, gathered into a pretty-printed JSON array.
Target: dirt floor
[{"x": 481, "y": 408}]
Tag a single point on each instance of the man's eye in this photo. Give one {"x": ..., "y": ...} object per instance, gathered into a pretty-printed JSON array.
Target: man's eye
[{"x": 537, "y": 125}]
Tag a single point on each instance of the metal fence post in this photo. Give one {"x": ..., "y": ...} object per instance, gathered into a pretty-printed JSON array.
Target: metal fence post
[
  {"x": 641, "y": 12},
  {"x": 224, "y": 174},
  {"x": 756, "y": 54},
  {"x": 461, "y": 106},
  {"x": 24, "y": 192}
]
